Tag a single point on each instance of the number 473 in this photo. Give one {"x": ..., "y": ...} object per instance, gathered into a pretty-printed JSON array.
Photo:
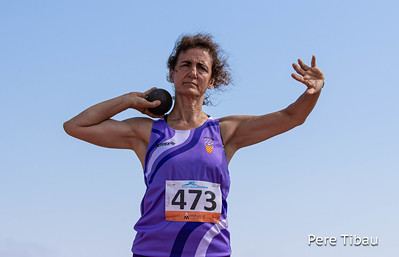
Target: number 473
[{"x": 178, "y": 199}]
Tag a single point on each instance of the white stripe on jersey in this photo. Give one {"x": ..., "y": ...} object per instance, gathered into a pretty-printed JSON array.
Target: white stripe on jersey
[
  {"x": 179, "y": 138},
  {"x": 207, "y": 239}
]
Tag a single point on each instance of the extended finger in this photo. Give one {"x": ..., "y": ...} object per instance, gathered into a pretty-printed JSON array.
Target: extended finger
[
  {"x": 298, "y": 69},
  {"x": 313, "y": 61},
  {"x": 303, "y": 65},
  {"x": 297, "y": 77}
]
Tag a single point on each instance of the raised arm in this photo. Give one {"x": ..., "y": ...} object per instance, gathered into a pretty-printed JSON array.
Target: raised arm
[
  {"x": 242, "y": 130},
  {"x": 94, "y": 125}
]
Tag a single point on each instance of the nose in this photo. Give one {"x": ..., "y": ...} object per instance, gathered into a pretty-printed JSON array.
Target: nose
[{"x": 193, "y": 72}]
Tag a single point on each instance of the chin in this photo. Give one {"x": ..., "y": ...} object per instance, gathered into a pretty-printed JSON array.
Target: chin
[{"x": 187, "y": 90}]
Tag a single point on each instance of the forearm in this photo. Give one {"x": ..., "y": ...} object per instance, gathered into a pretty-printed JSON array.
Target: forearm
[
  {"x": 302, "y": 107},
  {"x": 102, "y": 111}
]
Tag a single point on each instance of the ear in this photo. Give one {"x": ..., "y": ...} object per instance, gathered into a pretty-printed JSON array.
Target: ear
[
  {"x": 211, "y": 83},
  {"x": 171, "y": 76}
]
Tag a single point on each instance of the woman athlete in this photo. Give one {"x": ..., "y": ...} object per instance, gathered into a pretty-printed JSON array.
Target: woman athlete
[{"x": 185, "y": 154}]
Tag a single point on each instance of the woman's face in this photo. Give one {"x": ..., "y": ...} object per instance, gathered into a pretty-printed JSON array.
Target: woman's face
[{"x": 192, "y": 73}]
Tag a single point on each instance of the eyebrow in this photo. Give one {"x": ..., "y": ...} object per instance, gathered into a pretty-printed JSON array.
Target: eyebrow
[{"x": 200, "y": 63}]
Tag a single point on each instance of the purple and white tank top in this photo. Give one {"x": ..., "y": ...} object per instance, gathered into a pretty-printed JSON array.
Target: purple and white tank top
[{"x": 184, "y": 209}]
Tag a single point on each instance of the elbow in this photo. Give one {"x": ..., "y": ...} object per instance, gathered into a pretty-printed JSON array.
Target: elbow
[
  {"x": 299, "y": 122},
  {"x": 295, "y": 119}
]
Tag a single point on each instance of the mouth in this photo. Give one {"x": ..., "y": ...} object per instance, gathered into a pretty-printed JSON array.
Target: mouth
[{"x": 191, "y": 83}]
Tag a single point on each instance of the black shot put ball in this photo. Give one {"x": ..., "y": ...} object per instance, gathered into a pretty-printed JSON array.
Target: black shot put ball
[{"x": 164, "y": 97}]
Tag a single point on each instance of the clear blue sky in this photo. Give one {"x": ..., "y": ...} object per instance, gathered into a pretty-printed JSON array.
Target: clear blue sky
[{"x": 336, "y": 174}]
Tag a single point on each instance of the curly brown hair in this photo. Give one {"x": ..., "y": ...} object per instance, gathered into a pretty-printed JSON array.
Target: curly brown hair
[{"x": 220, "y": 67}]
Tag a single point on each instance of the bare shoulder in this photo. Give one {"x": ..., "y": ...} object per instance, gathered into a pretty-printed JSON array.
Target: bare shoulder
[
  {"x": 235, "y": 132},
  {"x": 228, "y": 128},
  {"x": 139, "y": 121},
  {"x": 141, "y": 127},
  {"x": 229, "y": 125},
  {"x": 232, "y": 119}
]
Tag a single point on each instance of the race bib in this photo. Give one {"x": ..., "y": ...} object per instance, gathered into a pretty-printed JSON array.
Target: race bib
[{"x": 195, "y": 201}]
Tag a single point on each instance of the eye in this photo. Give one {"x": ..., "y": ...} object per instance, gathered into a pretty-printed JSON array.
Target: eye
[
  {"x": 203, "y": 68},
  {"x": 185, "y": 64}
]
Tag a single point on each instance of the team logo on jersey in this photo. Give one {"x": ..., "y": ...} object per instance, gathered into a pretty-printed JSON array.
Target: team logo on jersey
[
  {"x": 166, "y": 144},
  {"x": 209, "y": 144}
]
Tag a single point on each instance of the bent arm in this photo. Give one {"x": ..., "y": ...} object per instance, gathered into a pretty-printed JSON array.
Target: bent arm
[
  {"x": 241, "y": 130},
  {"x": 94, "y": 125}
]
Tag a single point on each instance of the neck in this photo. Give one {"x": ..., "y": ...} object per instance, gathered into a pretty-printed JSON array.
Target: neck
[{"x": 187, "y": 113}]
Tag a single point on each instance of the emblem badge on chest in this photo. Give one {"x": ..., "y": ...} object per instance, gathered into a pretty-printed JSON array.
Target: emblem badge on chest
[{"x": 208, "y": 144}]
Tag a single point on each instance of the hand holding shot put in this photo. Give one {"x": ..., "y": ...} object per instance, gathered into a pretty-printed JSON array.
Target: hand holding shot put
[
  {"x": 164, "y": 97},
  {"x": 143, "y": 105},
  {"x": 185, "y": 154}
]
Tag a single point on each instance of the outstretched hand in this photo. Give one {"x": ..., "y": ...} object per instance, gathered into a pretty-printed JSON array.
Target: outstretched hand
[{"x": 312, "y": 76}]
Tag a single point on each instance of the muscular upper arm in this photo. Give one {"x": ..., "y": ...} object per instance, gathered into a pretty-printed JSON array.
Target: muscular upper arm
[
  {"x": 243, "y": 130},
  {"x": 132, "y": 134}
]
